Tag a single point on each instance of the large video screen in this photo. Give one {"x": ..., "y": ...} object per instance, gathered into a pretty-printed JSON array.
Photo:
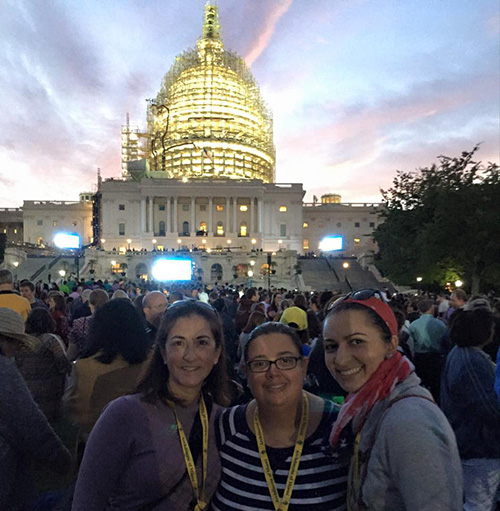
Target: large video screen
[
  {"x": 66, "y": 240},
  {"x": 331, "y": 243},
  {"x": 172, "y": 269}
]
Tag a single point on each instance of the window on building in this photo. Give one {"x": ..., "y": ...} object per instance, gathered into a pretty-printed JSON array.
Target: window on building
[
  {"x": 161, "y": 228},
  {"x": 283, "y": 230},
  {"x": 372, "y": 224},
  {"x": 4, "y": 230},
  {"x": 357, "y": 241},
  {"x": 339, "y": 224},
  {"x": 185, "y": 207},
  {"x": 185, "y": 227},
  {"x": 15, "y": 231},
  {"x": 220, "y": 229},
  {"x": 54, "y": 223},
  {"x": 305, "y": 244},
  {"x": 219, "y": 207},
  {"x": 121, "y": 207},
  {"x": 305, "y": 225},
  {"x": 203, "y": 207},
  {"x": 283, "y": 209},
  {"x": 39, "y": 222},
  {"x": 74, "y": 223},
  {"x": 356, "y": 224},
  {"x": 121, "y": 229},
  {"x": 161, "y": 207},
  {"x": 243, "y": 207},
  {"x": 243, "y": 229}
]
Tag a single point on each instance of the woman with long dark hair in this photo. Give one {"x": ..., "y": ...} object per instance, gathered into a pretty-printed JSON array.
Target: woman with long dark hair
[
  {"x": 156, "y": 449},
  {"x": 110, "y": 365}
]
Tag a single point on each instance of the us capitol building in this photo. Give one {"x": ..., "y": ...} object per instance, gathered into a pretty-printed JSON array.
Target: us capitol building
[{"x": 200, "y": 177}]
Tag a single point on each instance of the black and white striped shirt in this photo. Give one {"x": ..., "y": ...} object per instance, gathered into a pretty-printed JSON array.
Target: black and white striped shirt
[{"x": 320, "y": 484}]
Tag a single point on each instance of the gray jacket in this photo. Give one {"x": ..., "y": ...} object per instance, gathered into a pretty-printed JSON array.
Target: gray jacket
[
  {"x": 408, "y": 457},
  {"x": 25, "y": 434}
]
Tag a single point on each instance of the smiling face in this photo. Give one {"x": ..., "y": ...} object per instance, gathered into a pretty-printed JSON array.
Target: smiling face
[
  {"x": 354, "y": 348},
  {"x": 190, "y": 354},
  {"x": 275, "y": 387}
]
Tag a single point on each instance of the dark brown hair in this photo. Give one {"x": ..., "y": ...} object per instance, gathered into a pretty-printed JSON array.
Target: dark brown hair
[{"x": 153, "y": 385}]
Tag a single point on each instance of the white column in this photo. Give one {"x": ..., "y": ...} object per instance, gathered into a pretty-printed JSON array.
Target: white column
[
  {"x": 259, "y": 213},
  {"x": 176, "y": 227},
  {"x": 151, "y": 221},
  {"x": 252, "y": 216},
  {"x": 168, "y": 228},
  {"x": 210, "y": 217},
  {"x": 226, "y": 227},
  {"x": 193, "y": 216},
  {"x": 235, "y": 210},
  {"x": 143, "y": 214}
]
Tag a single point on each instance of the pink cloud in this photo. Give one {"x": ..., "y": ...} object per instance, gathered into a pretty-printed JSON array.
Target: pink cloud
[{"x": 267, "y": 31}]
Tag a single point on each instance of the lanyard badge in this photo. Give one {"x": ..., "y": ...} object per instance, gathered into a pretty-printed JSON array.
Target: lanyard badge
[{"x": 282, "y": 504}]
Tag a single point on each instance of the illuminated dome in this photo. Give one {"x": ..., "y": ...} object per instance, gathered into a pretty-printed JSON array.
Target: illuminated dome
[{"x": 209, "y": 119}]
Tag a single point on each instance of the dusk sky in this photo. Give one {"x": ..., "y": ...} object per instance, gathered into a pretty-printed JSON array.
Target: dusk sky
[{"x": 358, "y": 88}]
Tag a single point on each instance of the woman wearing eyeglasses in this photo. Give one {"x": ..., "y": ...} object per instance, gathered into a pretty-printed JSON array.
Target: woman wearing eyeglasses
[
  {"x": 402, "y": 449},
  {"x": 274, "y": 450},
  {"x": 155, "y": 450}
]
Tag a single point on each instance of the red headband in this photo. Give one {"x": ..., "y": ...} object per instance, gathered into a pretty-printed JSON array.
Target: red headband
[{"x": 381, "y": 309}]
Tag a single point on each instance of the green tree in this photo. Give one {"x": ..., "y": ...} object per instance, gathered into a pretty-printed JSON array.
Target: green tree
[{"x": 443, "y": 222}]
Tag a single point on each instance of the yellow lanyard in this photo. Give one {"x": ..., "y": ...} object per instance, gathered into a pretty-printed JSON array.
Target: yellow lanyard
[
  {"x": 188, "y": 457},
  {"x": 282, "y": 505}
]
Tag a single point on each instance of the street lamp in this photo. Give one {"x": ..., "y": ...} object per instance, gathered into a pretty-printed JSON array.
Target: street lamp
[
  {"x": 16, "y": 264},
  {"x": 155, "y": 241},
  {"x": 228, "y": 245},
  {"x": 419, "y": 279},
  {"x": 252, "y": 263},
  {"x": 458, "y": 283},
  {"x": 62, "y": 273},
  {"x": 254, "y": 241},
  {"x": 250, "y": 273},
  {"x": 179, "y": 241},
  {"x": 129, "y": 241},
  {"x": 345, "y": 265}
]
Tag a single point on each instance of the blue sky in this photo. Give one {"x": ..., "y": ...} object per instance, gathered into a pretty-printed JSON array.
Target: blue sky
[{"x": 358, "y": 88}]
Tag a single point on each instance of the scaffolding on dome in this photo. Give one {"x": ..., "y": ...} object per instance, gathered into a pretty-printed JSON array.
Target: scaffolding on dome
[{"x": 208, "y": 120}]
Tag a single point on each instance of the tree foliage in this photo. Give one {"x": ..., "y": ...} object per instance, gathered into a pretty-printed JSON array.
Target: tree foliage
[{"x": 441, "y": 223}]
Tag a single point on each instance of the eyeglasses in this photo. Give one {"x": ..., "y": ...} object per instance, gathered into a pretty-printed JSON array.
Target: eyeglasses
[
  {"x": 282, "y": 363},
  {"x": 362, "y": 294}
]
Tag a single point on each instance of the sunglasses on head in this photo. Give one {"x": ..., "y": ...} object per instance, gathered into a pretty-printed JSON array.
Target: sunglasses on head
[{"x": 360, "y": 295}]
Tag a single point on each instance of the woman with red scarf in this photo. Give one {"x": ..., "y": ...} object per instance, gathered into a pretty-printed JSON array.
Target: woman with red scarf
[{"x": 403, "y": 451}]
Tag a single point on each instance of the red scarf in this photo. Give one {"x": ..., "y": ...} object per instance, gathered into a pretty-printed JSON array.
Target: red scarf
[{"x": 381, "y": 383}]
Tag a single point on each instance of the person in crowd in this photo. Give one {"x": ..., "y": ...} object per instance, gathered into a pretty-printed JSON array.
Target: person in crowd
[
  {"x": 481, "y": 302},
  {"x": 81, "y": 306},
  {"x": 296, "y": 318},
  {"x": 256, "y": 319},
  {"x": 403, "y": 451},
  {"x": 9, "y": 298},
  {"x": 274, "y": 450},
  {"x": 283, "y": 305},
  {"x": 250, "y": 298},
  {"x": 427, "y": 334},
  {"x": 412, "y": 312},
  {"x": 120, "y": 294},
  {"x": 156, "y": 449},
  {"x": 229, "y": 331},
  {"x": 25, "y": 433},
  {"x": 443, "y": 305},
  {"x": 176, "y": 296},
  {"x": 110, "y": 365},
  {"x": 324, "y": 299},
  {"x": 57, "y": 309},
  {"x": 153, "y": 306},
  {"x": 273, "y": 306},
  {"x": 45, "y": 368},
  {"x": 27, "y": 290},
  {"x": 457, "y": 303},
  {"x": 469, "y": 401},
  {"x": 79, "y": 332}
]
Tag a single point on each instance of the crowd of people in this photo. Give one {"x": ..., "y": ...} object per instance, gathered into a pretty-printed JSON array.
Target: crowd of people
[{"x": 226, "y": 398}]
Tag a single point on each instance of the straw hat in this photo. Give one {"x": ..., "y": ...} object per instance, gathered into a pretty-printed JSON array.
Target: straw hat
[{"x": 12, "y": 326}]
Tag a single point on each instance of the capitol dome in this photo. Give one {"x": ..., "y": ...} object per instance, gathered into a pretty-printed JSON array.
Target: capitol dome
[{"x": 209, "y": 119}]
